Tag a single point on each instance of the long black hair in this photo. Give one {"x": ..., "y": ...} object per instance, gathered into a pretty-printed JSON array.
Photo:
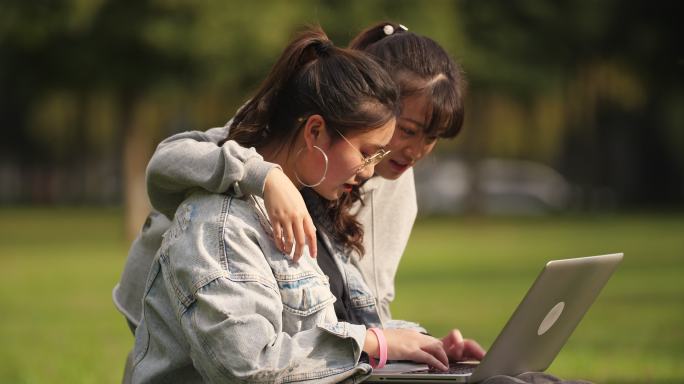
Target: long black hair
[
  {"x": 312, "y": 76},
  {"x": 348, "y": 88},
  {"x": 419, "y": 66}
]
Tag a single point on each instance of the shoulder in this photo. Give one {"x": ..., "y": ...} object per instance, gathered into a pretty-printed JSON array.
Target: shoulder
[
  {"x": 229, "y": 224},
  {"x": 399, "y": 194},
  {"x": 212, "y": 236},
  {"x": 203, "y": 208},
  {"x": 405, "y": 184}
]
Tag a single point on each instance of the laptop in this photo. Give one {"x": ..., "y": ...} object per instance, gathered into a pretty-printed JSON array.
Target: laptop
[{"x": 535, "y": 333}]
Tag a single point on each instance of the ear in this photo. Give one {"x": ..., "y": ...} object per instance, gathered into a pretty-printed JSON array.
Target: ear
[{"x": 315, "y": 132}]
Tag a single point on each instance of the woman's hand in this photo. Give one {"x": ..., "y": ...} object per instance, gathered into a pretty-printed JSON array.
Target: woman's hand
[
  {"x": 460, "y": 349},
  {"x": 288, "y": 214},
  {"x": 407, "y": 344}
]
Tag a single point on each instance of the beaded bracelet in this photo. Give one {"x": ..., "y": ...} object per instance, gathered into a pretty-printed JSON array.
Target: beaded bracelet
[{"x": 382, "y": 347}]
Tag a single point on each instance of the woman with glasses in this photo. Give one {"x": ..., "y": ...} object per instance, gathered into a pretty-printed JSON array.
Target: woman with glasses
[
  {"x": 222, "y": 302},
  {"x": 431, "y": 92}
]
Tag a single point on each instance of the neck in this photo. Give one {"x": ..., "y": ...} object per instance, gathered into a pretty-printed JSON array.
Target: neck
[{"x": 284, "y": 158}]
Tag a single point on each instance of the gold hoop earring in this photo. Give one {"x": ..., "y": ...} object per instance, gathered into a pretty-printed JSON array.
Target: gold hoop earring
[{"x": 325, "y": 171}]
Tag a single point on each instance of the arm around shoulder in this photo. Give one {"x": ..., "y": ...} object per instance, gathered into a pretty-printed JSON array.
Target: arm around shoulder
[{"x": 194, "y": 160}]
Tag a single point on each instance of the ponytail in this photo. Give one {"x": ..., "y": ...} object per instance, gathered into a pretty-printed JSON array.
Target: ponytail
[
  {"x": 313, "y": 76},
  {"x": 350, "y": 90},
  {"x": 250, "y": 127}
]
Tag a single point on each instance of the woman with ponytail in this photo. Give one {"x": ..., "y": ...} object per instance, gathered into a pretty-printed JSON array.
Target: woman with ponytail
[
  {"x": 431, "y": 91},
  {"x": 222, "y": 303}
]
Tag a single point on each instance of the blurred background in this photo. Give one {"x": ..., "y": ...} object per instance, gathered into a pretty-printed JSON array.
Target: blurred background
[{"x": 573, "y": 145}]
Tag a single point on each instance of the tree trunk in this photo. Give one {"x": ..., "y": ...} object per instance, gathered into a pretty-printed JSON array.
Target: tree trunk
[{"x": 139, "y": 122}]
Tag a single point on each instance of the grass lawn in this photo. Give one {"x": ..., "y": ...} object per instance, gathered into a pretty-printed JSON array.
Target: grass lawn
[
  {"x": 471, "y": 273},
  {"x": 57, "y": 268}
]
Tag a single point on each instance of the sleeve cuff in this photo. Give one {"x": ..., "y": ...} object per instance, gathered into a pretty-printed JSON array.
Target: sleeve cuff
[
  {"x": 254, "y": 178},
  {"x": 356, "y": 332},
  {"x": 403, "y": 324}
]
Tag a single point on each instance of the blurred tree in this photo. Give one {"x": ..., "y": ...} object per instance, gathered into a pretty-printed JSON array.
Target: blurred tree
[
  {"x": 593, "y": 89},
  {"x": 615, "y": 70},
  {"x": 79, "y": 49},
  {"x": 127, "y": 52}
]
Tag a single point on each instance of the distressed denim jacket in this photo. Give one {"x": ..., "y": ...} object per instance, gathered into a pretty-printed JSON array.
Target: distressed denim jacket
[
  {"x": 222, "y": 304},
  {"x": 362, "y": 302}
]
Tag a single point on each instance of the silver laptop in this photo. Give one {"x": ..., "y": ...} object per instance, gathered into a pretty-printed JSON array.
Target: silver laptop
[{"x": 533, "y": 336}]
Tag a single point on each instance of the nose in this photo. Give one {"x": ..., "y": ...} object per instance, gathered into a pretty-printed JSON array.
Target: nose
[
  {"x": 418, "y": 149},
  {"x": 366, "y": 172},
  {"x": 414, "y": 151}
]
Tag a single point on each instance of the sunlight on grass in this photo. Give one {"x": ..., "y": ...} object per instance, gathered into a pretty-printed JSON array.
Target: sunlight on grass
[
  {"x": 58, "y": 269},
  {"x": 59, "y": 266},
  {"x": 477, "y": 270}
]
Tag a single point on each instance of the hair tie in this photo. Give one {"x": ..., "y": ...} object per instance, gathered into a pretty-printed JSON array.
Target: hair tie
[
  {"x": 322, "y": 47},
  {"x": 389, "y": 29}
]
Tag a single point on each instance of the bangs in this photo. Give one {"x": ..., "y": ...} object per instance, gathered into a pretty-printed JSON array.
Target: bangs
[{"x": 446, "y": 112}]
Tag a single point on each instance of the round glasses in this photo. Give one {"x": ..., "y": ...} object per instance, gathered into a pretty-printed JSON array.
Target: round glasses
[{"x": 366, "y": 160}]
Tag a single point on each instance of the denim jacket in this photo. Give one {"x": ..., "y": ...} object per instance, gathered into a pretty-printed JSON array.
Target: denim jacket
[
  {"x": 363, "y": 303},
  {"x": 223, "y": 304}
]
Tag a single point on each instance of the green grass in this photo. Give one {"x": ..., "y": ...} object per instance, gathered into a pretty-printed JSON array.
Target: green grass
[
  {"x": 58, "y": 266},
  {"x": 477, "y": 270},
  {"x": 58, "y": 324}
]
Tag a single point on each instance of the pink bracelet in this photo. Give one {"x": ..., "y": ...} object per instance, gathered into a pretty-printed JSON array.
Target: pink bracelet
[{"x": 382, "y": 347}]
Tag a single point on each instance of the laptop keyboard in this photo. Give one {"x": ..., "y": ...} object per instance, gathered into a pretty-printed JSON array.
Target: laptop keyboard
[{"x": 454, "y": 368}]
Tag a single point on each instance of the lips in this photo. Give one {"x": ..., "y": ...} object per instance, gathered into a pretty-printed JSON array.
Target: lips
[{"x": 399, "y": 166}]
